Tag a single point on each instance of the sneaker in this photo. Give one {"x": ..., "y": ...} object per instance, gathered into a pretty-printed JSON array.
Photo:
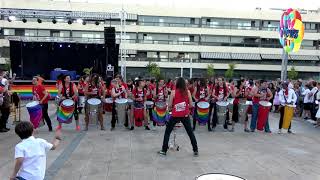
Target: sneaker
[
  {"x": 102, "y": 128},
  {"x": 279, "y": 132},
  {"x": 132, "y": 128},
  {"x": 162, "y": 153},
  {"x": 58, "y": 127},
  {"x": 231, "y": 130},
  {"x": 147, "y": 128},
  {"x": 268, "y": 132},
  {"x": 317, "y": 125},
  {"x": 8, "y": 129},
  {"x": 246, "y": 130},
  {"x": 112, "y": 128},
  {"x": 78, "y": 128},
  {"x": 306, "y": 118},
  {"x": 85, "y": 129},
  {"x": 289, "y": 131},
  {"x": 196, "y": 154},
  {"x": 210, "y": 129},
  {"x": 252, "y": 130}
]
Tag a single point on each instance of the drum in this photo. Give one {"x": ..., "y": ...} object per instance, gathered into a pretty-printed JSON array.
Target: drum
[
  {"x": 218, "y": 176},
  {"x": 121, "y": 105},
  {"x": 149, "y": 104},
  {"x": 93, "y": 109},
  {"x": 263, "y": 113},
  {"x": 288, "y": 115},
  {"x": 230, "y": 106},
  {"x": 82, "y": 101},
  {"x": 138, "y": 113},
  {"x": 160, "y": 113},
  {"x": 35, "y": 112},
  {"x": 203, "y": 112},
  {"x": 130, "y": 102},
  {"x": 108, "y": 105},
  {"x": 65, "y": 111},
  {"x": 222, "y": 107}
]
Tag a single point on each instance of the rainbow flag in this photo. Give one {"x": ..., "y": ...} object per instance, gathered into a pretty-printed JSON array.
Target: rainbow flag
[{"x": 25, "y": 91}]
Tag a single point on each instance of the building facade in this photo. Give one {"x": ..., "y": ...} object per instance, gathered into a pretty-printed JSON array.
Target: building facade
[{"x": 176, "y": 39}]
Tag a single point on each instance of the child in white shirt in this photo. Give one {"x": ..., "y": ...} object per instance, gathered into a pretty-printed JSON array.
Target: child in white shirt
[{"x": 30, "y": 153}]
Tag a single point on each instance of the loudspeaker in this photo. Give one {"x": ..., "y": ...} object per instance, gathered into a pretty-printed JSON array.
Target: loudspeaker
[{"x": 110, "y": 36}]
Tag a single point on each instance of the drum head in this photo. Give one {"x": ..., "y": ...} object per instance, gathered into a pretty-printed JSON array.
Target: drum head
[
  {"x": 203, "y": 105},
  {"x": 223, "y": 103},
  {"x": 32, "y": 104},
  {"x": 290, "y": 105},
  {"x": 149, "y": 103},
  {"x": 109, "y": 100},
  {"x": 218, "y": 177},
  {"x": 121, "y": 101},
  {"x": 249, "y": 102},
  {"x": 94, "y": 101},
  {"x": 265, "y": 103},
  {"x": 67, "y": 102},
  {"x": 160, "y": 104}
]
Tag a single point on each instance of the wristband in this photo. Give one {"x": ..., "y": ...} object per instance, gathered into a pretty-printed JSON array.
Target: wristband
[{"x": 58, "y": 138}]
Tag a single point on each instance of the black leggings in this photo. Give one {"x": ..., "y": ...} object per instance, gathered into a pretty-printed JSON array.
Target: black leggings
[
  {"x": 46, "y": 115},
  {"x": 187, "y": 125},
  {"x": 5, "y": 112}
]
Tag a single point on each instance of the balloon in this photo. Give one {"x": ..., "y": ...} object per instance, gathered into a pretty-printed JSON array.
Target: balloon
[{"x": 291, "y": 30}]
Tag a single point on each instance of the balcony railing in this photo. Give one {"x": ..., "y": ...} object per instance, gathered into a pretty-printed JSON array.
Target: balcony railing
[
  {"x": 142, "y": 41},
  {"x": 266, "y": 62}
]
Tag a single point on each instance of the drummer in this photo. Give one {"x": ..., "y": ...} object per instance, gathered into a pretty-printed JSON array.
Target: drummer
[
  {"x": 160, "y": 93},
  {"x": 219, "y": 93},
  {"x": 68, "y": 90},
  {"x": 248, "y": 95},
  {"x": 200, "y": 94},
  {"x": 260, "y": 93},
  {"x": 82, "y": 83},
  {"x": 139, "y": 97},
  {"x": 150, "y": 87},
  {"x": 286, "y": 96},
  {"x": 118, "y": 91},
  {"x": 94, "y": 89},
  {"x": 237, "y": 93}
]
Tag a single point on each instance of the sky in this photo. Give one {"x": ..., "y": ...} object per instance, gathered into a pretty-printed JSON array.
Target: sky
[{"x": 221, "y": 4}]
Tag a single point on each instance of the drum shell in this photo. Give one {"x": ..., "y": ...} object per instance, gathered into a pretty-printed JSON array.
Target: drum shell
[
  {"x": 108, "y": 105},
  {"x": 35, "y": 113},
  {"x": 93, "y": 110},
  {"x": 121, "y": 110},
  {"x": 221, "y": 109},
  {"x": 287, "y": 117},
  {"x": 203, "y": 113},
  {"x": 65, "y": 113},
  {"x": 160, "y": 113},
  {"x": 149, "y": 104},
  {"x": 263, "y": 113},
  {"x": 138, "y": 116}
]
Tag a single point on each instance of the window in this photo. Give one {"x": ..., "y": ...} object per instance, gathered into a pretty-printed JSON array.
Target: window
[
  {"x": 8, "y": 32},
  {"x": 192, "y": 21},
  {"x": 30, "y": 32},
  {"x": 191, "y": 38},
  {"x": 44, "y": 33}
]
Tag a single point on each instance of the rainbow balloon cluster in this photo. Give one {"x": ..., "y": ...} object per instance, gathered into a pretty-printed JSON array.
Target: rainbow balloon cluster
[
  {"x": 202, "y": 114},
  {"x": 291, "y": 30},
  {"x": 160, "y": 115}
]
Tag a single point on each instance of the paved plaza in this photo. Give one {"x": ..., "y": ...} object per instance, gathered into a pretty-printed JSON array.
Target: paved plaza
[{"x": 131, "y": 155}]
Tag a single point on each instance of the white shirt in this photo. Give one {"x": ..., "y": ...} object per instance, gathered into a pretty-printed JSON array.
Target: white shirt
[
  {"x": 33, "y": 150},
  {"x": 306, "y": 98},
  {"x": 313, "y": 91},
  {"x": 291, "y": 98}
]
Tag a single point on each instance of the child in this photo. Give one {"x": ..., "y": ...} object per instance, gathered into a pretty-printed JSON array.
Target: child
[{"x": 30, "y": 153}]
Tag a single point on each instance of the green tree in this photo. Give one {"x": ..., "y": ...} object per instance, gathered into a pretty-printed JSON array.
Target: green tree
[
  {"x": 210, "y": 71},
  {"x": 154, "y": 70},
  {"x": 230, "y": 71},
  {"x": 292, "y": 73}
]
